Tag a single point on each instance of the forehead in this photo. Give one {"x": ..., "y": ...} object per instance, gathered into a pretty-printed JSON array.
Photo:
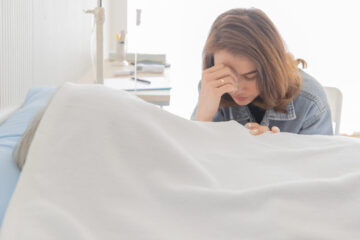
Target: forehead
[{"x": 239, "y": 63}]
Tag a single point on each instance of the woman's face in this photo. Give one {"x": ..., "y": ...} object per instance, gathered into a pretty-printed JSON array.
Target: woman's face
[{"x": 246, "y": 74}]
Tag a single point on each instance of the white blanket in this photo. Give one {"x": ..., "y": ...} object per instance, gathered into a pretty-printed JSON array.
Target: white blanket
[{"x": 106, "y": 165}]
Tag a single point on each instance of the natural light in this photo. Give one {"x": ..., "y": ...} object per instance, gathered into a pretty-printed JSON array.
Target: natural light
[{"x": 325, "y": 34}]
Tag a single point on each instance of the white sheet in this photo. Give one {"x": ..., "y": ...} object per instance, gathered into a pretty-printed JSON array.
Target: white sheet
[{"x": 106, "y": 165}]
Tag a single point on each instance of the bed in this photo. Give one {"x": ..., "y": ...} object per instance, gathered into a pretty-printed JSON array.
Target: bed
[
  {"x": 13, "y": 123},
  {"x": 106, "y": 165}
]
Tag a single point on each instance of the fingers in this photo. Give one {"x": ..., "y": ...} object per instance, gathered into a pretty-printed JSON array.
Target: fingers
[
  {"x": 223, "y": 72},
  {"x": 215, "y": 68},
  {"x": 275, "y": 129},
  {"x": 256, "y": 129},
  {"x": 225, "y": 89},
  {"x": 218, "y": 72},
  {"x": 223, "y": 85},
  {"x": 218, "y": 80},
  {"x": 223, "y": 81}
]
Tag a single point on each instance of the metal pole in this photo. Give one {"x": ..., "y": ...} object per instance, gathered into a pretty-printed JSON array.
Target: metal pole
[
  {"x": 100, "y": 19},
  {"x": 99, "y": 15}
]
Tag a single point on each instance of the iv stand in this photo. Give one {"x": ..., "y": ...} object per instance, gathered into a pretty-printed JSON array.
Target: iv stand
[{"x": 99, "y": 15}]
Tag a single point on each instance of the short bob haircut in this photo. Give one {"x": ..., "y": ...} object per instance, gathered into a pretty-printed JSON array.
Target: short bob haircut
[{"x": 250, "y": 33}]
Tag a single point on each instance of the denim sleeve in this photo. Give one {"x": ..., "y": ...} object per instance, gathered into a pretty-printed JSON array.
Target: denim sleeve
[
  {"x": 318, "y": 122},
  {"x": 194, "y": 111},
  {"x": 219, "y": 116}
]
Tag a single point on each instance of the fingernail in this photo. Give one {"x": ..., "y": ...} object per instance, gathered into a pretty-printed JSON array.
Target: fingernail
[
  {"x": 254, "y": 131},
  {"x": 248, "y": 125},
  {"x": 276, "y": 129}
]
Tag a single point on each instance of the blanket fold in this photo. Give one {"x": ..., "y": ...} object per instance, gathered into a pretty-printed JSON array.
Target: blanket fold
[{"x": 106, "y": 165}]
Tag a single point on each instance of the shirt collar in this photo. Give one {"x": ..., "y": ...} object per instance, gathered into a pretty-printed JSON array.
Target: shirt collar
[
  {"x": 280, "y": 116},
  {"x": 243, "y": 113}
]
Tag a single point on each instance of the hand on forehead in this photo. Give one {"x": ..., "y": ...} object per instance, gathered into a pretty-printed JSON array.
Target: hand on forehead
[{"x": 241, "y": 66}]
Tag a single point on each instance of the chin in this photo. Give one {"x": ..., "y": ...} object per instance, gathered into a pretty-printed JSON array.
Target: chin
[{"x": 242, "y": 103}]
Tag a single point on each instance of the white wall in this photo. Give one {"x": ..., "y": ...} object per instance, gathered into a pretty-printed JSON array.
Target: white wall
[
  {"x": 42, "y": 42},
  {"x": 325, "y": 34}
]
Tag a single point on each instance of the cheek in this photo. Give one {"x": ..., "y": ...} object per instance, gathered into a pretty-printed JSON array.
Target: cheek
[{"x": 251, "y": 88}]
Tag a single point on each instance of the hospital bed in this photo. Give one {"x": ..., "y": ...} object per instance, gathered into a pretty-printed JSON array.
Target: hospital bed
[
  {"x": 106, "y": 165},
  {"x": 13, "y": 123}
]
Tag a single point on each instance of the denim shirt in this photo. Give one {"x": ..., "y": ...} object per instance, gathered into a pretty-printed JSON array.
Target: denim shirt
[{"x": 308, "y": 113}]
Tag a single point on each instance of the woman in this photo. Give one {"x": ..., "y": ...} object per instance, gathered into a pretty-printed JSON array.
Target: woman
[{"x": 248, "y": 76}]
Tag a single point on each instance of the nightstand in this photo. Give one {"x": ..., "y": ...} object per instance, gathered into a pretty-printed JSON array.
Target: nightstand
[
  {"x": 160, "y": 96},
  {"x": 156, "y": 93}
]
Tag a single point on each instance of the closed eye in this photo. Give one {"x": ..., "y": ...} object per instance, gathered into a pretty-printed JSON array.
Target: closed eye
[{"x": 251, "y": 75}]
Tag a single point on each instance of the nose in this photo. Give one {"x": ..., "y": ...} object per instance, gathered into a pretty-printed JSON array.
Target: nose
[
  {"x": 240, "y": 89},
  {"x": 240, "y": 84}
]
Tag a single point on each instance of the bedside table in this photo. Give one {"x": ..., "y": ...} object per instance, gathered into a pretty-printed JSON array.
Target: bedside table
[{"x": 160, "y": 97}]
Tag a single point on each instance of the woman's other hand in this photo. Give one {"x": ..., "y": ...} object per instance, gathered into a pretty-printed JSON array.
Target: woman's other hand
[
  {"x": 256, "y": 129},
  {"x": 215, "y": 82}
]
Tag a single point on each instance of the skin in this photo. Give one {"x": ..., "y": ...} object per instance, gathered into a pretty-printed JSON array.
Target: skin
[{"x": 235, "y": 75}]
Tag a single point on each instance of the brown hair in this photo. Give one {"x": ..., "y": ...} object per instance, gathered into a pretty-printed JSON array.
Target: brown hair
[{"x": 250, "y": 33}]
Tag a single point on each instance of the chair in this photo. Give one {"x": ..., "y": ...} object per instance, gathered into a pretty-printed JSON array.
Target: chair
[{"x": 334, "y": 97}]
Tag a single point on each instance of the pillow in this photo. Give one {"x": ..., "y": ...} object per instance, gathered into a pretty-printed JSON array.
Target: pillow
[{"x": 11, "y": 132}]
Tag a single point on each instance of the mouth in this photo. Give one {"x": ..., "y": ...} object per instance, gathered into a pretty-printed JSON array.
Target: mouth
[{"x": 241, "y": 99}]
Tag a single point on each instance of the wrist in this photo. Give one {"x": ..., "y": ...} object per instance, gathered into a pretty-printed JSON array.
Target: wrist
[{"x": 204, "y": 118}]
